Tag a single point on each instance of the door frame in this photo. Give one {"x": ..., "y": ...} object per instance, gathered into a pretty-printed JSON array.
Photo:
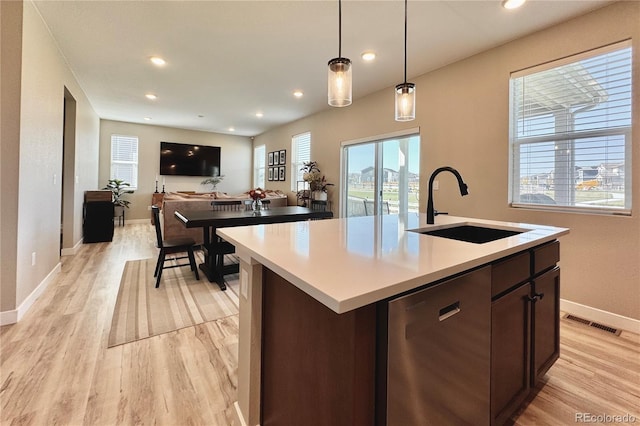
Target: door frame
[{"x": 344, "y": 145}]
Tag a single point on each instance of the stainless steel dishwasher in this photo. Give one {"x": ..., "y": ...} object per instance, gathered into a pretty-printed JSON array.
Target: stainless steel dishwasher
[{"x": 438, "y": 354}]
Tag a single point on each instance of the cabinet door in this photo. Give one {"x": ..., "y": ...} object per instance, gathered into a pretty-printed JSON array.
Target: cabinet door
[
  {"x": 510, "y": 349},
  {"x": 546, "y": 323}
]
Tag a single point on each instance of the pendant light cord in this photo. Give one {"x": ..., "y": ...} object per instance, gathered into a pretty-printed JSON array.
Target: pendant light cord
[
  {"x": 405, "y": 41},
  {"x": 339, "y": 28}
]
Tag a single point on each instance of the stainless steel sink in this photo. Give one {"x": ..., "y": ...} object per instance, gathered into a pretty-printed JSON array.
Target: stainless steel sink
[{"x": 470, "y": 233}]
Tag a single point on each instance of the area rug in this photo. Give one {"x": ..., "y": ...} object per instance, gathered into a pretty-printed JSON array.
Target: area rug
[{"x": 143, "y": 311}]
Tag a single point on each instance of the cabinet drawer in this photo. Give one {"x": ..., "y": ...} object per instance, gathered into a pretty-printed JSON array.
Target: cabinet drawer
[
  {"x": 509, "y": 272},
  {"x": 545, "y": 257}
]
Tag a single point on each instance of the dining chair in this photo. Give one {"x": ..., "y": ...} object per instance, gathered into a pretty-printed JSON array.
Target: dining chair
[
  {"x": 369, "y": 207},
  {"x": 248, "y": 204},
  {"x": 175, "y": 246},
  {"x": 226, "y": 205},
  {"x": 219, "y": 247}
]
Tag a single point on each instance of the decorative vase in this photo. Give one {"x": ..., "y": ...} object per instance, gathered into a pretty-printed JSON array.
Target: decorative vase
[
  {"x": 320, "y": 195},
  {"x": 256, "y": 206}
]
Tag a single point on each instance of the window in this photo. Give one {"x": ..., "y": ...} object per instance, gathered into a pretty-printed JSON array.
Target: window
[
  {"x": 570, "y": 133},
  {"x": 259, "y": 153},
  {"x": 124, "y": 159},
  {"x": 300, "y": 154}
]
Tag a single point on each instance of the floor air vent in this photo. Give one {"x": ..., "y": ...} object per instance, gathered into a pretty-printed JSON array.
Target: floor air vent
[{"x": 593, "y": 324}]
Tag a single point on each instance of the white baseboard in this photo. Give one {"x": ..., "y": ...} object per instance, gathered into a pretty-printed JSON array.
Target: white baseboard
[
  {"x": 132, "y": 221},
  {"x": 8, "y": 317},
  {"x": 13, "y": 316},
  {"x": 600, "y": 316},
  {"x": 239, "y": 417},
  {"x": 73, "y": 250}
]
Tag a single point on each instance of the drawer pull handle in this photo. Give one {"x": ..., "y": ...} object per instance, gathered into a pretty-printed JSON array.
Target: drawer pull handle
[
  {"x": 536, "y": 297},
  {"x": 449, "y": 311}
]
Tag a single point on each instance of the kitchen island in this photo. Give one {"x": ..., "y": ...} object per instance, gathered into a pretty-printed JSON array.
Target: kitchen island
[{"x": 316, "y": 316}]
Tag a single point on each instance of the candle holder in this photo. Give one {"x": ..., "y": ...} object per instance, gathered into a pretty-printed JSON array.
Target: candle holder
[
  {"x": 163, "y": 188},
  {"x": 156, "y": 188}
]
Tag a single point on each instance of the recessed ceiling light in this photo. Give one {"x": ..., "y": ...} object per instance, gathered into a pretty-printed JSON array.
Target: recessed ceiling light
[
  {"x": 158, "y": 61},
  {"x": 151, "y": 96},
  {"x": 298, "y": 93},
  {"x": 232, "y": 129},
  {"x": 200, "y": 116},
  {"x": 512, "y": 4},
  {"x": 147, "y": 118},
  {"x": 368, "y": 55},
  {"x": 259, "y": 114}
]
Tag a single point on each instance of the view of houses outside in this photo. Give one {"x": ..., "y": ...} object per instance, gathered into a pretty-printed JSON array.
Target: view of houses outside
[
  {"x": 572, "y": 135},
  {"x": 398, "y": 177}
]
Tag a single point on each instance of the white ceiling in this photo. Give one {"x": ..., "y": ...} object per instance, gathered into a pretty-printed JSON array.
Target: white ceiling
[{"x": 228, "y": 60}]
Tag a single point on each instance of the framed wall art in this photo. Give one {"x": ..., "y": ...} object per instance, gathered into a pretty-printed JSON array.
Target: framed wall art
[
  {"x": 270, "y": 158},
  {"x": 282, "y": 173},
  {"x": 283, "y": 157}
]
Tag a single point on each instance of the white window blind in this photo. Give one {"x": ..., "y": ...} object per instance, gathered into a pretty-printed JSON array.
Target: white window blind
[
  {"x": 124, "y": 159},
  {"x": 259, "y": 153},
  {"x": 570, "y": 133},
  {"x": 301, "y": 153}
]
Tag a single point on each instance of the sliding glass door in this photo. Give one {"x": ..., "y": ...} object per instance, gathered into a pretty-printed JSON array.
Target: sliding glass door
[{"x": 381, "y": 176}]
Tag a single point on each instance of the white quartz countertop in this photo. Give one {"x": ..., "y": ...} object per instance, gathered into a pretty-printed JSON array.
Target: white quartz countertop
[{"x": 348, "y": 263}]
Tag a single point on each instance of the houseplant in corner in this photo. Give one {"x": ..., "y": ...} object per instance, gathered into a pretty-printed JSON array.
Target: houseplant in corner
[
  {"x": 318, "y": 184},
  {"x": 213, "y": 181},
  {"x": 118, "y": 189}
]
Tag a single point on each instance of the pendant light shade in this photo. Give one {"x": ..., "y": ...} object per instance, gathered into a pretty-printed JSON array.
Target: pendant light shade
[
  {"x": 405, "y": 102},
  {"x": 405, "y": 92},
  {"x": 339, "y": 78},
  {"x": 339, "y": 82}
]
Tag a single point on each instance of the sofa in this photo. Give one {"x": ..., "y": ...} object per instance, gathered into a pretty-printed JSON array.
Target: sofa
[{"x": 173, "y": 228}]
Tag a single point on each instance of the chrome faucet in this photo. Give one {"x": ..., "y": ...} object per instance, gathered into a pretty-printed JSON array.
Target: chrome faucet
[{"x": 431, "y": 212}]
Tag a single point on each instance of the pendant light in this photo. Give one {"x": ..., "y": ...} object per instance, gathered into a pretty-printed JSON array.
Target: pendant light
[
  {"x": 339, "y": 82},
  {"x": 405, "y": 92}
]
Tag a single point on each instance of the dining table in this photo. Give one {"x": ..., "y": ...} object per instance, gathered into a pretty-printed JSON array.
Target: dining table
[{"x": 211, "y": 220}]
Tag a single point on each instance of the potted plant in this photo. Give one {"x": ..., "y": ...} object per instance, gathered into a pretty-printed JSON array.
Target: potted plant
[
  {"x": 318, "y": 184},
  {"x": 118, "y": 189},
  {"x": 213, "y": 181}
]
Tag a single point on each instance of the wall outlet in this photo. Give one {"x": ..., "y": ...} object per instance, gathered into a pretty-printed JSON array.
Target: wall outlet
[
  {"x": 436, "y": 185},
  {"x": 33, "y": 259}
]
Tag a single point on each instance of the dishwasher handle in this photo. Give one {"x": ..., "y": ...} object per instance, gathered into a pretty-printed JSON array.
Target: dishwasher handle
[{"x": 449, "y": 311}]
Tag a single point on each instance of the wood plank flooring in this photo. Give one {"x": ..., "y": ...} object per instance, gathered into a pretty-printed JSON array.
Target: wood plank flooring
[{"x": 55, "y": 367}]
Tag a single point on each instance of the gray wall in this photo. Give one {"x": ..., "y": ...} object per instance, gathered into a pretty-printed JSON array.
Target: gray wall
[{"x": 35, "y": 154}]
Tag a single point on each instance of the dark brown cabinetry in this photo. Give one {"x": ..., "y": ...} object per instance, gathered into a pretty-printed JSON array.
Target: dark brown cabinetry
[
  {"x": 510, "y": 353},
  {"x": 546, "y": 323},
  {"x": 525, "y": 315},
  {"x": 465, "y": 350}
]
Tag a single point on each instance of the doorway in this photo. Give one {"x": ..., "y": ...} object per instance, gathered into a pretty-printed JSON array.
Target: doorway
[
  {"x": 381, "y": 175},
  {"x": 67, "y": 198}
]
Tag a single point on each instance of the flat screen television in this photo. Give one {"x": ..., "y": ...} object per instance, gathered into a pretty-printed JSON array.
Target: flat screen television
[{"x": 181, "y": 159}]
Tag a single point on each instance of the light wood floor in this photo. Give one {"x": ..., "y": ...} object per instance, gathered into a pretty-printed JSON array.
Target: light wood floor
[{"x": 55, "y": 367}]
